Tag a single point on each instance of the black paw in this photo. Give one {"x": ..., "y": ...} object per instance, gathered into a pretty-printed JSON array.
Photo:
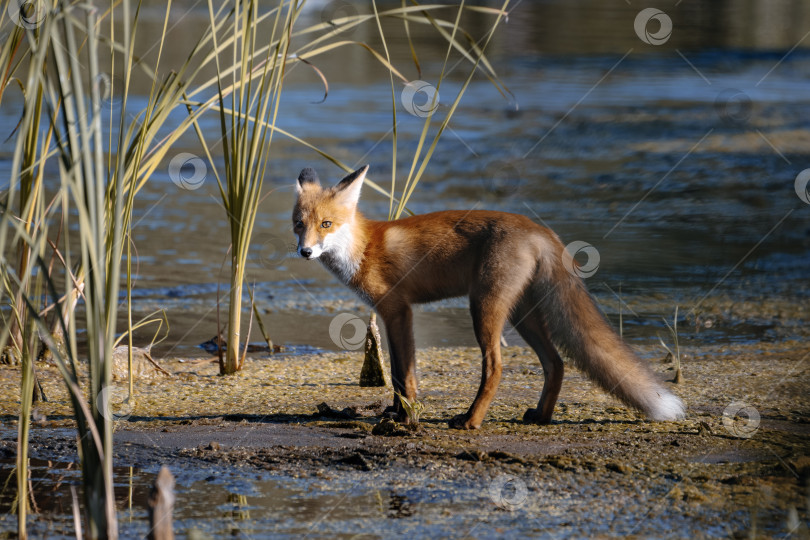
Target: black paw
[
  {"x": 533, "y": 416},
  {"x": 462, "y": 421},
  {"x": 395, "y": 413}
]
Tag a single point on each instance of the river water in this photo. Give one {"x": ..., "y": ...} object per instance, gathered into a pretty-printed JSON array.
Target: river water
[{"x": 676, "y": 162}]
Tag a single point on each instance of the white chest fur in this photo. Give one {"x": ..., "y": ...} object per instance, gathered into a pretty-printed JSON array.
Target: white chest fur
[{"x": 338, "y": 256}]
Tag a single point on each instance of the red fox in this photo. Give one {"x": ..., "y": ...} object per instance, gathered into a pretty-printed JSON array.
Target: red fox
[{"x": 510, "y": 267}]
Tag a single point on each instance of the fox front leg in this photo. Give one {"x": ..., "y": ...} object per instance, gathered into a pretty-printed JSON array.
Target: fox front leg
[{"x": 399, "y": 327}]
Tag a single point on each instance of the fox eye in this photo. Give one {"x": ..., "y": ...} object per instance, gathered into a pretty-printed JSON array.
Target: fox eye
[
  {"x": 299, "y": 224},
  {"x": 326, "y": 224}
]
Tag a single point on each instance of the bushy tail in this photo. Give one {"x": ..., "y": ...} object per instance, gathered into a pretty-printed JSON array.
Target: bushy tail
[{"x": 579, "y": 330}]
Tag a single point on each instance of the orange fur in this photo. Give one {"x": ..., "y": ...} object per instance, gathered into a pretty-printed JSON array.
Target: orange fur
[{"x": 510, "y": 268}]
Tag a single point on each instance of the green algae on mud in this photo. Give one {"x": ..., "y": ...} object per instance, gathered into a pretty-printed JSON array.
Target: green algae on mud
[{"x": 597, "y": 464}]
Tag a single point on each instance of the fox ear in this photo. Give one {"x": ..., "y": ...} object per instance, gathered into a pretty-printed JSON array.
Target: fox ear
[
  {"x": 307, "y": 176},
  {"x": 348, "y": 190}
]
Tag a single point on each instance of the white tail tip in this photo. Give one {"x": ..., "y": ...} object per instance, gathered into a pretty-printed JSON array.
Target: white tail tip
[{"x": 667, "y": 407}]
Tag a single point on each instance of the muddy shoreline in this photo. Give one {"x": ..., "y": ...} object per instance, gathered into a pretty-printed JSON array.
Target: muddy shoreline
[{"x": 598, "y": 469}]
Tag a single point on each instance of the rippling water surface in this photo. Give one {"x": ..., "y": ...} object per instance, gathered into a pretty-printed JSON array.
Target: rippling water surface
[{"x": 676, "y": 162}]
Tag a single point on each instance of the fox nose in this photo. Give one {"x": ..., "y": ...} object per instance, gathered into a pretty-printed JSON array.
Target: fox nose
[{"x": 306, "y": 252}]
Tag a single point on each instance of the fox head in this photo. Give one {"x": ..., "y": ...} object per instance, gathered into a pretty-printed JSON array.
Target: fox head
[{"x": 322, "y": 218}]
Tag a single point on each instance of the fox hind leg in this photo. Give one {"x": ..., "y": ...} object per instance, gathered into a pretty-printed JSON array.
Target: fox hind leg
[
  {"x": 491, "y": 301},
  {"x": 488, "y": 323},
  {"x": 528, "y": 322}
]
